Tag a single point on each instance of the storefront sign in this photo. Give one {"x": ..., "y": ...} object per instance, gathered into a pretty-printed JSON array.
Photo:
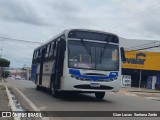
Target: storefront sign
[{"x": 142, "y": 60}]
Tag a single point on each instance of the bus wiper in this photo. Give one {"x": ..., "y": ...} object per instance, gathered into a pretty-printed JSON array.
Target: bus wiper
[
  {"x": 102, "y": 52},
  {"x": 88, "y": 50}
]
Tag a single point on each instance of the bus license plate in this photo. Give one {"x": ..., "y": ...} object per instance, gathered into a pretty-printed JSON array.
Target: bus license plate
[{"x": 95, "y": 85}]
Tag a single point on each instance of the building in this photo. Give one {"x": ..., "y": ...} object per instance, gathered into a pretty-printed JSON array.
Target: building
[
  {"x": 20, "y": 72},
  {"x": 143, "y": 66}
]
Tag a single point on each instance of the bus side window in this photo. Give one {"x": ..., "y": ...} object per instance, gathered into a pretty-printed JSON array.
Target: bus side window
[
  {"x": 35, "y": 53},
  {"x": 37, "y": 61},
  {"x": 47, "y": 52},
  {"x": 33, "y": 59},
  {"x": 47, "y": 47},
  {"x": 54, "y": 51},
  {"x": 51, "y": 51},
  {"x": 40, "y": 53},
  {"x": 39, "y": 56}
]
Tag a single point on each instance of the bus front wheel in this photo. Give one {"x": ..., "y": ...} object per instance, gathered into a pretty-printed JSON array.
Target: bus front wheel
[{"x": 100, "y": 95}]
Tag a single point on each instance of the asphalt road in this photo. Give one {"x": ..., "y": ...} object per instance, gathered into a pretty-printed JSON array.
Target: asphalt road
[{"x": 86, "y": 102}]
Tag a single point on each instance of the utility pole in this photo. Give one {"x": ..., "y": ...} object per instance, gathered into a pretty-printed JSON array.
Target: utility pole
[{"x": 140, "y": 79}]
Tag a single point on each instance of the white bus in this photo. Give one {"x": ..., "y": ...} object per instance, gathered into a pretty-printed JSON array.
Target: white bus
[{"x": 79, "y": 60}]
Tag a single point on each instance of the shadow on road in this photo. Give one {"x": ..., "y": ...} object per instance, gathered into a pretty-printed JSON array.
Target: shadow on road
[{"x": 74, "y": 97}]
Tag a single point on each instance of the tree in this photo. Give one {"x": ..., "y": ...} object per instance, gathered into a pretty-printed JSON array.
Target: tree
[
  {"x": 4, "y": 62},
  {"x": 5, "y": 74}
]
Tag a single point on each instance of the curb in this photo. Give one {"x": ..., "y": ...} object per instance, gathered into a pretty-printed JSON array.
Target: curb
[
  {"x": 153, "y": 98},
  {"x": 11, "y": 103},
  {"x": 26, "y": 102},
  {"x": 146, "y": 91}
]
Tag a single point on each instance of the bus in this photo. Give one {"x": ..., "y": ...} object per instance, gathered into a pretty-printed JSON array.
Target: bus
[{"x": 79, "y": 60}]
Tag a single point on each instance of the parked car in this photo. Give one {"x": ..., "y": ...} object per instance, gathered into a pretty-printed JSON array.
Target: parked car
[
  {"x": 12, "y": 78},
  {"x": 22, "y": 78},
  {"x": 17, "y": 78}
]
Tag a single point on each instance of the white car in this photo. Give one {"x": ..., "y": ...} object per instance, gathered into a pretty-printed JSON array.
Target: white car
[
  {"x": 22, "y": 78},
  {"x": 17, "y": 78}
]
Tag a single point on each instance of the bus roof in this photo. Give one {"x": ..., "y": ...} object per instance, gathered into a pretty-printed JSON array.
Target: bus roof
[{"x": 66, "y": 31}]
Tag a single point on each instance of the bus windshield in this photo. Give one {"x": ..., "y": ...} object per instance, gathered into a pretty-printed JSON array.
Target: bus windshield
[{"x": 92, "y": 55}]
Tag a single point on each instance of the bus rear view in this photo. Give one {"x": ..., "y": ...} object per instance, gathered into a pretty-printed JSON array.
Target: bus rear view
[{"x": 85, "y": 61}]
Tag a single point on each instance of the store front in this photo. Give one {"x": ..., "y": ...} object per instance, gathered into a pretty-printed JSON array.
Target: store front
[{"x": 144, "y": 69}]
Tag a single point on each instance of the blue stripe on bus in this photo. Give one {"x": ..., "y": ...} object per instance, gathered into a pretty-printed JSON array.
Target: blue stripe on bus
[{"x": 76, "y": 73}]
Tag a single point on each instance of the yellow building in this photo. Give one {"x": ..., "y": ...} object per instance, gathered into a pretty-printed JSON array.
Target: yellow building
[
  {"x": 142, "y": 60},
  {"x": 141, "y": 66}
]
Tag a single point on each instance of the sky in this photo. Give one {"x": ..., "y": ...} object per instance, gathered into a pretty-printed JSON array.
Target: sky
[{"x": 40, "y": 20}]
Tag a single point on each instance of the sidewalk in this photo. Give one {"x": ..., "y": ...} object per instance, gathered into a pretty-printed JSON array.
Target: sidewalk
[{"x": 143, "y": 92}]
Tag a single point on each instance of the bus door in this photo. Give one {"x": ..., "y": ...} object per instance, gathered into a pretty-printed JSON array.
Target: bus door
[
  {"x": 58, "y": 65},
  {"x": 41, "y": 66}
]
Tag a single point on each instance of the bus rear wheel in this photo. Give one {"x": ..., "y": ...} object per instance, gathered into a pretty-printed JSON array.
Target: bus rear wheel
[
  {"x": 55, "y": 93},
  {"x": 37, "y": 87},
  {"x": 100, "y": 95}
]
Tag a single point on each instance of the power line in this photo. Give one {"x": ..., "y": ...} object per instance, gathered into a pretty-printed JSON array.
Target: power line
[
  {"x": 143, "y": 17},
  {"x": 19, "y": 40},
  {"x": 134, "y": 47},
  {"x": 144, "y": 13},
  {"x": 13, "y": 59},
  {"x": 20, "y": 61},
  {"x": 144, "y": 48}
]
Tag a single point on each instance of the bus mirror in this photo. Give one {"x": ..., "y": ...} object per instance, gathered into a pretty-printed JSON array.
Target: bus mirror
[{"x": 123, "y": 58}]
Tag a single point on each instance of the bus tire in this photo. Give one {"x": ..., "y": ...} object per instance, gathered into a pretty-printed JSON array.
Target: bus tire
[
  {"x": 36, "y": 84},
  {"x": 37, "y": 87},
  {"x": 55, "y": 93},
  {"x": 99, "y": 95}
]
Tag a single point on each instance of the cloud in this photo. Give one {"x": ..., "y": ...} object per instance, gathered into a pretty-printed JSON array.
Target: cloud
[
  {"x": 20, "y": 11},
  {"x": 40, "y": 20}
]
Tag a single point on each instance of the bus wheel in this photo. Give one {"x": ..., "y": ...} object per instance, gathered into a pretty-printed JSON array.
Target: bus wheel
[
  {"x": 54, "y": 92},
  {"x": 37, "y": 87},
  {"x": 100, "y": 95}
]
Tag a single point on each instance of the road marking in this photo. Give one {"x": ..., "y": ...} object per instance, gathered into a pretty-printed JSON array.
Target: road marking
[
  {"x": 30, "y": 103},
  {"x": 11, "y": 102}
]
